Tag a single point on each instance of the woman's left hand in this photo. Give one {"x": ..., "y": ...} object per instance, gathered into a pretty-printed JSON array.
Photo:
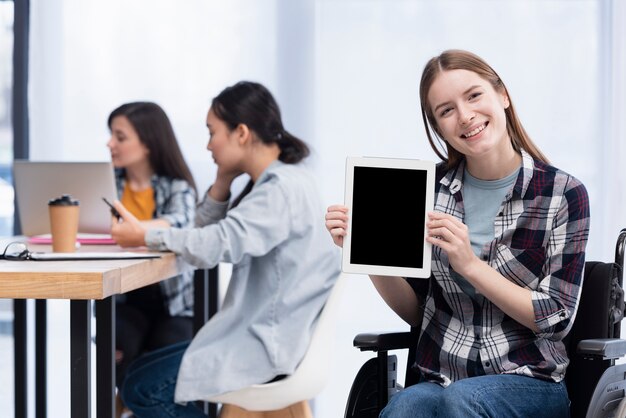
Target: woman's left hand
[
  {"x": 451, "y": 235},
  {"x": 127, "y": 231}
]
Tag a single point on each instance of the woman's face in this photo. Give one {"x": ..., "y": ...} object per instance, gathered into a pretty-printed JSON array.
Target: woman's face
[
  {"x": 223, "y": 142},
  {"x": 125, "y": 146},
  {"x": 469, "y": 113}
]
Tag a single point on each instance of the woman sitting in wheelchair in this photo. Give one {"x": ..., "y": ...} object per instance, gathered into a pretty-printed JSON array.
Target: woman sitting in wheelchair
[{"x": 509, "y": 233}]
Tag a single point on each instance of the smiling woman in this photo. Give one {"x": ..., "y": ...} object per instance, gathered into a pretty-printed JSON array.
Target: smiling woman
[
  {"x": 473, "y": 119},
  {"x": 458, "y": 105},
  {"x": 500, "y": 298}
]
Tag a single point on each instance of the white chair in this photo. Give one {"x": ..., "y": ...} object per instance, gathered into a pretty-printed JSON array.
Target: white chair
[{"x": 288, "y": 397}]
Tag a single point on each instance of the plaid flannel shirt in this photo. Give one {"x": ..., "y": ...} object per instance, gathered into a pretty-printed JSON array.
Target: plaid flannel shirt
[
  {"x": 541, "y": 232},
  {"x": 175, "y": 202}
]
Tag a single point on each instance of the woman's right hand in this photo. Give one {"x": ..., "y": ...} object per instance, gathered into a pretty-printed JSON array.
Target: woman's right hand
[
  {"x": 127, "y": 231},
  {"x": 220, "y": 190},
  {"x": 227, "y": 175},
  {"x": 337, "y": 223}
]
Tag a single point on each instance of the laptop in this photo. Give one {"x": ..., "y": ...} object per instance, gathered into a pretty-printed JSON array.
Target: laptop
[{"x": 88, "y": 182}]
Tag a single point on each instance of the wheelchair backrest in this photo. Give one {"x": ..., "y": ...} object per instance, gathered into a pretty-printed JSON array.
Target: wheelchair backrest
[{"x": 599, "y": 316}]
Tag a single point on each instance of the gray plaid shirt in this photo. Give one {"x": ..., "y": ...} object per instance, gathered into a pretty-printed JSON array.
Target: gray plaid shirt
[{"x": 175, "y": 202}]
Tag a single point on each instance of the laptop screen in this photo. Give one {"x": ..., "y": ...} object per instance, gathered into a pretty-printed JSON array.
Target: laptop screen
[{"x": 88, "y": 182}]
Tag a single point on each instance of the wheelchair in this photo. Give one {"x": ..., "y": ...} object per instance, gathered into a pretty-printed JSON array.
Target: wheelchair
[{"x": 596, "y": 385}]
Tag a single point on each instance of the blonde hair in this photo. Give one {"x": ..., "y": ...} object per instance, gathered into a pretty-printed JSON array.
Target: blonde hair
[{"x": 455, "y": 59}]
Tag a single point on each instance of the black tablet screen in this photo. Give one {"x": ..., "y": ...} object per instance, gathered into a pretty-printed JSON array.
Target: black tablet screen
[{"x": 388, "y": 207}]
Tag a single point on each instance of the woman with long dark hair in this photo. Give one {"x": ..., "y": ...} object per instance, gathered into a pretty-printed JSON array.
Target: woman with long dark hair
[
  {"x": 155, "y": 184},
  {"x": 283, "y": 265}
]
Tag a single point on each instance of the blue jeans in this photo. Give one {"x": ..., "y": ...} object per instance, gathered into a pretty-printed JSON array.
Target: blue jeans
[
  {"x": 494, "y": 396},
  {"x": 150, "y": 383}
]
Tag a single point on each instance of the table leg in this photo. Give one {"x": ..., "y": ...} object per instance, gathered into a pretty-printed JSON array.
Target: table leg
[
  {"x": 41, "y": 369},
  {"x": 105, "y": 357},
  {"x": 213, "y": 296},
  {"x": 213, "y": 291},
  {"x": 20, "y": 358},
  {"x": 200, "y": 299},
  {"x": 80, "y": 358},
  {"x": 206, "y": 291}
]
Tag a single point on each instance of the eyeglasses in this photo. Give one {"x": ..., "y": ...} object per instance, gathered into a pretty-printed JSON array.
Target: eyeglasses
[{"x": 15, "y": 251}]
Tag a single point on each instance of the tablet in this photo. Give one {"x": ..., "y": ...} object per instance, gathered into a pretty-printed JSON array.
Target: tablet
[{"x": 388, "y": 201}]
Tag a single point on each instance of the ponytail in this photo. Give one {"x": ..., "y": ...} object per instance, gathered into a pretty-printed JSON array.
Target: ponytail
[
  {"x": 292, "y": 149},
  {"x": 253, "y": 105}
]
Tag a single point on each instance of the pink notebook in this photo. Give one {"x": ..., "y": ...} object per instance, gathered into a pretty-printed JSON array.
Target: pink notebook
[{"x": 83, "y": 239}]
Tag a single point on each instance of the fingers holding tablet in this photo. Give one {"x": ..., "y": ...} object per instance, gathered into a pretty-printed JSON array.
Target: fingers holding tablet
[{"x": 337, "y": 223}]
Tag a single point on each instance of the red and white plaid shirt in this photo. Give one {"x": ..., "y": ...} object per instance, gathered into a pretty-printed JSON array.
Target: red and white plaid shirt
[{"x": 541, "y": 232}]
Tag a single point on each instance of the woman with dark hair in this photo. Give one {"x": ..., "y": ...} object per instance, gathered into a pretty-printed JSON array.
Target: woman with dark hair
[
  {"x": 155, "y": 184},
  {"x": 509, "y": 233},
  {"x": 283, "y": 265}
]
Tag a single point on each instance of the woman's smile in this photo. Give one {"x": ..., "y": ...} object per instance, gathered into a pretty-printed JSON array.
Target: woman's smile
[{"x": 474, "y": 132}]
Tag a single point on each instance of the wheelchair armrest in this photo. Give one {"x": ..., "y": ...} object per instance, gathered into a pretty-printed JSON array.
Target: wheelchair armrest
[
  {"x": 605, "y": 348},
  {"x": 383, "y": 342}
]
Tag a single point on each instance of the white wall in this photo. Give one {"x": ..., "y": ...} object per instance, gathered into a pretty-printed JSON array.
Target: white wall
[
  {"x": 89, "y": 57},
  {"x": 346, "y": 74}
]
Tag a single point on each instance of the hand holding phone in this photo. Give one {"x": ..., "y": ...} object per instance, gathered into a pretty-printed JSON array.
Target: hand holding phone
[{"x": 114, "y": 211}]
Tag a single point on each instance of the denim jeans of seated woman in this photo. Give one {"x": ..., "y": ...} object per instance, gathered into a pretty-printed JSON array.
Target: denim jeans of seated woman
[
  {"x": 150, "y": 382},
  {"x": 492, "y": 396}
]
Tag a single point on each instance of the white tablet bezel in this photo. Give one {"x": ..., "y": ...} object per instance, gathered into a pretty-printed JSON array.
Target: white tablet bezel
[{"x": 429, "y": 168}]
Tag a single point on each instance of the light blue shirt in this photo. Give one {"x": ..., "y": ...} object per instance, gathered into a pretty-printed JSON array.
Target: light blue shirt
[
  {"x": 482, "y": 200},
  {"x": 284, "y": 266}
]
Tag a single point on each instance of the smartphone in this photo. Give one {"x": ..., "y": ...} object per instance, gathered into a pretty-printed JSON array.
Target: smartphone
[{"x": 114, "y": 211}]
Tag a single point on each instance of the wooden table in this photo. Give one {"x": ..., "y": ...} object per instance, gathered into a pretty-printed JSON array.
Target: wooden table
[
  {"x": 80, "y": 282},
  {"x": 82, "y": 279}
]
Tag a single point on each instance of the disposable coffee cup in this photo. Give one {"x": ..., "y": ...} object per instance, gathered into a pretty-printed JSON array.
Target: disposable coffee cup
[{"x": 63, "y": 223}]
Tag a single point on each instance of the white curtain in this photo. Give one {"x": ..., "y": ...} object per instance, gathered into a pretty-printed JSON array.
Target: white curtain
[{"x": 346, "y": 74}]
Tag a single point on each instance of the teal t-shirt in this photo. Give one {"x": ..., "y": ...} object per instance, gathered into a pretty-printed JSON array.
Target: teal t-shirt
[{"x": 482, "y": 200}]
